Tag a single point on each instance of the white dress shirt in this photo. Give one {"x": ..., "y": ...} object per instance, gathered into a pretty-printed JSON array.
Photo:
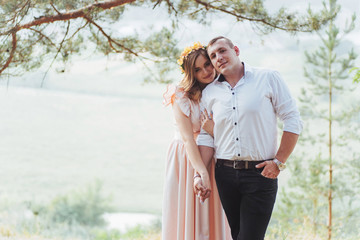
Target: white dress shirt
[{"x": 246, "y": 116}]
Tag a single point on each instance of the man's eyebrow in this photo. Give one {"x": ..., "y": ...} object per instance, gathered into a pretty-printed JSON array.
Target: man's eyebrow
[{"x": 216, "y": 50}]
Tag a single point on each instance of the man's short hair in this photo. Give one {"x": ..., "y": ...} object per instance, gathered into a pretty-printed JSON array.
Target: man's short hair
[{"x": 228, "y": 41}]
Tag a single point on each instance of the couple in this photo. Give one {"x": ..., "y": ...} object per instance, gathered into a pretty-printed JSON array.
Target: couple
[{"x": 240, "y": 133}]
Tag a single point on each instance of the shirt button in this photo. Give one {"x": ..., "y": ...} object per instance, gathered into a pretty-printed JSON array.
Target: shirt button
[
  {"x": 233, "y": 93},
  {"x": 237, "y": 139},
  {"x": 239, "y": 155},
  {"x": 234, "y": 108},
  {"x": 235, "y": 123}
]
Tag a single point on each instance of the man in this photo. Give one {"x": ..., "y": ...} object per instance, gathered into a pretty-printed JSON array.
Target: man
[{"x": 245, "y": 103}]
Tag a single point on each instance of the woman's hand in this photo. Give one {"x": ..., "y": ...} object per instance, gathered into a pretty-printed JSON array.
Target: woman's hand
[
  {"x": 198, "y": 186},
  {"x": 205, "y": 180},
  {"x": 207, "y": 122},
  {"x": 199, "y": 189}
]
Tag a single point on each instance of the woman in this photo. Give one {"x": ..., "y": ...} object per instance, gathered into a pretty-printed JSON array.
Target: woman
[{"x": 184, "y": 217}]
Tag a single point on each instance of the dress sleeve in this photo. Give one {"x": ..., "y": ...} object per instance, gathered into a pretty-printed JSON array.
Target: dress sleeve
[{"x": 177, "y": 94}]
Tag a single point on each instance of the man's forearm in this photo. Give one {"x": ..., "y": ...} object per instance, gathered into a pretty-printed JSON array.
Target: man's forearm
[
  {"x": 207, "y": 154},
  {"x": 287, "y": 145}
]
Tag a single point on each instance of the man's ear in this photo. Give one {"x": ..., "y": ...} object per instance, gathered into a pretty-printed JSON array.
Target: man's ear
[{"x": 237, "y": 50}]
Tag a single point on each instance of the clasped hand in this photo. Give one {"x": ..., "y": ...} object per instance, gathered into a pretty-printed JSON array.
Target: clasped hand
[{"x": 200, "y": 189}]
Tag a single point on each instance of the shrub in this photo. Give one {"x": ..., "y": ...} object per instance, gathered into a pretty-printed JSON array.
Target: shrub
[{"x": 84, "y": 207}]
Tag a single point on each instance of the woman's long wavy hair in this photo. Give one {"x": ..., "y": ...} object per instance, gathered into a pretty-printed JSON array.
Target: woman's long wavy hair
[{"x": 189, "y": 83}]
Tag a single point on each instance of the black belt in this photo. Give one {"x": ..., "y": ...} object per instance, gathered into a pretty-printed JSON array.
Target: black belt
[{"x": 239, "y": 164}]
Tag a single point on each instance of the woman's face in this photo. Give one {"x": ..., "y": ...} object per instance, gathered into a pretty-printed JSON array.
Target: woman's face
[{"x": 204, "y": 70}]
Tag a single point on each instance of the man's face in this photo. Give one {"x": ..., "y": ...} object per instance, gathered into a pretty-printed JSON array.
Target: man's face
[{"x": 223, "y": 57}]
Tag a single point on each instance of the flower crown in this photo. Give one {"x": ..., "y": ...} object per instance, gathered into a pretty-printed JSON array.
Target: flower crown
[{"x": 186, "y": 52}]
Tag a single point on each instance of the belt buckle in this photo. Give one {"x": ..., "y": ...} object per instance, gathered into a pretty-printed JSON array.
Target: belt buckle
[
  {"x": 237, "y": 165},
  {"x": 234, "y": 164}
]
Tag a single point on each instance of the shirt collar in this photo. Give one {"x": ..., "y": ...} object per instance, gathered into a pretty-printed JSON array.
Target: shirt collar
[{"x": 247, "y": 72}]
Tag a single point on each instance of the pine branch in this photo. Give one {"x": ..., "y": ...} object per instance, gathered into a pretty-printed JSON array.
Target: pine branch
[
  {"x": 308, "y": 26},
  {"x": 57, "y": 53},
  {"x": 43, "y": 35},
  {"x": 79, "y": 13},
  {"x": 13, "y": 49},
  {"x": 111, "y": 41}
]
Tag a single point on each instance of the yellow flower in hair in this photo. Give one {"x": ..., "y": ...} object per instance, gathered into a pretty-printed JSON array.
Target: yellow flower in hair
[
  {"x": 180, "y": 61},
  {"x": 187, "y": 51}
]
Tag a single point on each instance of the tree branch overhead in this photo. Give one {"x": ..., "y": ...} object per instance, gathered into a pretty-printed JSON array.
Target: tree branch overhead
[{"x": 20, "y": 17}]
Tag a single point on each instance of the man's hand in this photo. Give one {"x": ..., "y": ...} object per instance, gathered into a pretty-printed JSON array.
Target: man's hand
[{"x": 270, "y": 170}]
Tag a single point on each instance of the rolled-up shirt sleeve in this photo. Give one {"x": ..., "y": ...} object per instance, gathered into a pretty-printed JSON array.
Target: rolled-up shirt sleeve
[
  {"x": 204, "y": 139},
  {"x": 285, "y": 105}
]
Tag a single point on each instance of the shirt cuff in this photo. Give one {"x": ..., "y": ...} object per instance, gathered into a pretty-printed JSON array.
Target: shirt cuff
[
  {"x": 205, "y": 139},
  {"x": 295, "y": 126}
]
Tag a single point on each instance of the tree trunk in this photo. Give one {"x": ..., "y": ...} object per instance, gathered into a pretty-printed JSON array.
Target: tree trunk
[{"x": 330, "y": 141}]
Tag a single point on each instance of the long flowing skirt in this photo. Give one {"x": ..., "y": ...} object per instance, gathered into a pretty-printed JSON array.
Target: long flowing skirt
[{"x": 183, "y": 216}]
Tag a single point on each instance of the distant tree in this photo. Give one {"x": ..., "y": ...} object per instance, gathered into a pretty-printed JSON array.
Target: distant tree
[
  {"x": 38, "y": 31},
  {"x": 319, "y": 176},
  {"x": 357, "y": 74}
]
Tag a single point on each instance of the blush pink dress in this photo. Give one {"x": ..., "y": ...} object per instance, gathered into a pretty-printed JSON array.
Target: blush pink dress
[{"x": 183, "y": 216}]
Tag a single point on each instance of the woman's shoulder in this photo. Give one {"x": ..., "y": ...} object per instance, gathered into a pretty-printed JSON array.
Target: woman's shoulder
[{"x": 172, "y": 93}]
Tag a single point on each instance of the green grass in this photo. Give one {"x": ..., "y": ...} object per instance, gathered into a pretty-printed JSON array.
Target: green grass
[
  {"x": 151, "y": 232},
  {"x": 76, "y": 215}
]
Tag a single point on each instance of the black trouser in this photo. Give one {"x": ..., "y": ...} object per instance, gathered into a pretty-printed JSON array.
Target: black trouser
[{"x": 248, "y": 199}]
